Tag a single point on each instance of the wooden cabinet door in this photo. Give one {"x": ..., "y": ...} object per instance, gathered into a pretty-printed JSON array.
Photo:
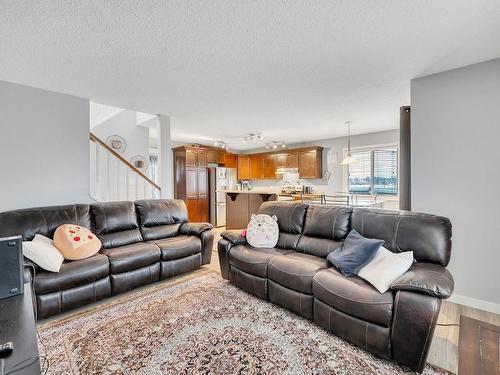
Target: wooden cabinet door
[
  {"x": 203, "y": 214},
  {"x": 256, "y": 167},
  {"x": 281, "y": 160},
  {"x": 231, "y": 161},
  {"x": 221, "y": 157},
  {"x": 292, "y": 160},
  {"x": 308, "y": 164},
  {"x": 269, "y": 166},
  {"x": 243, "y": 167},
  {"x": 192, "y": 207},
  {"x": 202, "y": 176},
  {"x": 191, "y": 158},
  {"x": 212, "y": 157},
  {"x": 202, "y": 158},
  {"x": 191, "y": 183}
]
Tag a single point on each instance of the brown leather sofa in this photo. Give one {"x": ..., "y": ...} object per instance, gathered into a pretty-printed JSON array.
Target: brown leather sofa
[
  {"x": 397, "y": 324},
  {"x": 142, "y": 242}
]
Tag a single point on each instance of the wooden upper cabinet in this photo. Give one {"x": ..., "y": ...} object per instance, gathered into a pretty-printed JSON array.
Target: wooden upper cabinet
[
  {"x": 243, "y": 167},
  {"x": 256, "y": 166},
  {"x": 191, "y": 158},
  {"x": 212, "y": 156},
  {"x": 231, "y": 160},
  {"x": 269, "y": 166},
  {"x": 281, "y": 160},
  {"x": 310, "y": 163},
  {"x": 202, "y": 158},
  {"x": 292, "y": 160},
  {"x": 221, "y": 157}
]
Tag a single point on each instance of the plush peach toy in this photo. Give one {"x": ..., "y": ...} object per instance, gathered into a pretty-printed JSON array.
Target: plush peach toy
[{"x": 75, "y": 242}]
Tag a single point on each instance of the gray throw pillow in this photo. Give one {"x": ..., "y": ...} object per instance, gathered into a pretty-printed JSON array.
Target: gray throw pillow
[{"x": 356, "y": 252}]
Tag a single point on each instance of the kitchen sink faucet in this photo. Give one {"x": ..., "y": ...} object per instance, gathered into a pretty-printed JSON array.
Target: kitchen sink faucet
[{"x": 246, "y": 184}]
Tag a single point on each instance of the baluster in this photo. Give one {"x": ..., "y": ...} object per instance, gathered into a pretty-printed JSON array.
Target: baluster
[{"x": 117, "y": 179}]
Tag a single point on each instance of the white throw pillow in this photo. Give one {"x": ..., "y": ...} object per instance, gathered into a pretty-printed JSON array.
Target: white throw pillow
[
  {"x": 385, "y": 268},
  {"x": 42, "y": 252},
  {"x": 263, "y": 231}
]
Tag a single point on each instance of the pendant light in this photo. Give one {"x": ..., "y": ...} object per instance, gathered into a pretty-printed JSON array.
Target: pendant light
[{"x": 348, "y": 158}]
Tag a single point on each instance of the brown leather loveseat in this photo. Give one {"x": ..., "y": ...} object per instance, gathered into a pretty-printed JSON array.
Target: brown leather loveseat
[
  {"x": 142, "y": 242},
  {"x": 397, "y": 324}
]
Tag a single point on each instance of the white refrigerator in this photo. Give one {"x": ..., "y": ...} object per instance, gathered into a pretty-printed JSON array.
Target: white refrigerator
[{"x": 221, "y": 179}]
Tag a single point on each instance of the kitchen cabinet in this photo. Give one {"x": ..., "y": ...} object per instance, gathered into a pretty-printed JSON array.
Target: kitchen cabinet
[
  {"x": 310, "y": 163},
  {"x": 212, "y": 156},
  {"x": 243, "y": 167},
  {"x": 292, "y": 160},
  {"x": 281, "y": 160},
  {"x": 256, "y": 166},
  {"x": 230, "y": 160},
  {"x": 269, "y": 166},
  {"x": 191, "y": 181}
]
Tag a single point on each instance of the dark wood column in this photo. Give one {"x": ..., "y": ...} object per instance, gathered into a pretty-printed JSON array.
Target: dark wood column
[{"x": 405, "y": 158}]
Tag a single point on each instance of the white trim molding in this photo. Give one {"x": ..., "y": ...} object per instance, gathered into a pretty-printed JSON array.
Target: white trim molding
[{"x": 475, "y": 303}]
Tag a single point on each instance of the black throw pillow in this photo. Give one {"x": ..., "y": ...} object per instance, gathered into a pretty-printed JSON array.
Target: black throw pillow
[{"x": 356, "y": 252}]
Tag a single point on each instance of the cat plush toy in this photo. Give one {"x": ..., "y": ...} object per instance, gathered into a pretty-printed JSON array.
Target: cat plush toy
[{"x": 262, "y": 231}]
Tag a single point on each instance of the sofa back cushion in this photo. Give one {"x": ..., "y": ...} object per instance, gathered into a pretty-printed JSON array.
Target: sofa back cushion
[
  {"x": 161, "y": 218},
  {"x": 325, "y": 228},
  {"x": 428, "y": 236},
  {"x": 290, "y": 221},
  {"x": 116, "y": 223},
  {"x": 43, "y": 220}
]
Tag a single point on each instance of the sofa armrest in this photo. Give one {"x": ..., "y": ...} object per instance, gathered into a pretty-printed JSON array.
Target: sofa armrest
[
  {"x": 194, "y": 229},
  {"x": 427, "y": 278},
  {"x": 234, "y": 236}
]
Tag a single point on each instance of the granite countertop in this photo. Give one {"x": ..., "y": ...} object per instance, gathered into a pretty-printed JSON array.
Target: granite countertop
[{"x": 255, "y": 191}]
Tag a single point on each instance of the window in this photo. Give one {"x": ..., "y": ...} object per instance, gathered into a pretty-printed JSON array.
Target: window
[{"x": 376, "y": 171}]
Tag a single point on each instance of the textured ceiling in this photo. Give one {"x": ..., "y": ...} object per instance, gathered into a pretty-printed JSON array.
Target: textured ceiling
[{"x": 294, "y": 70}]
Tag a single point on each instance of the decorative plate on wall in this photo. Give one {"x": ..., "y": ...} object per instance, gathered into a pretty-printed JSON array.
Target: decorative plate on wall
[
  {"x": 117, "y": 143},
  {"x": 140, "y": 162}
]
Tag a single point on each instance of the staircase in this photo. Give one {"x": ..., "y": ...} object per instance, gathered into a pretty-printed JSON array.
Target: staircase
[{"x": 113, "y": 178}]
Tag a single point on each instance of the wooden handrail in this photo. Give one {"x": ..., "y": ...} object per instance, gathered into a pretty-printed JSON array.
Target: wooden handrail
[{"x": 95, "y": 139}]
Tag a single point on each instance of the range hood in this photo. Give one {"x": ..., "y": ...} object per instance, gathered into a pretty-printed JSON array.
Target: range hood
[{"x": 286, "y": 170}]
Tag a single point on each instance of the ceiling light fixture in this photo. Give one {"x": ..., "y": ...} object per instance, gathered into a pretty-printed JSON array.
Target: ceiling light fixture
[
  {"x": 275, "y": 144},
  {"x": 220, "y": 144},
  {"x": 253, "y": 137},
  {"x": 348, "y": 158}
]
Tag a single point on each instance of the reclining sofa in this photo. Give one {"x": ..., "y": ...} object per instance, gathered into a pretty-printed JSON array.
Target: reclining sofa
[
  {"x": 142, "y": 242},
  {"x": 296, "y": 275}
]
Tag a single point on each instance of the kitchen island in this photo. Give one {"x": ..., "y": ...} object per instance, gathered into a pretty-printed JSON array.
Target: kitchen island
[{"x": 241, "y": 204}]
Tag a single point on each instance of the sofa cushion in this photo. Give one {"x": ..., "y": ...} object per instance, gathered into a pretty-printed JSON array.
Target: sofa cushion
[
  {"x": 116, "y": 224},
  {"x": 353, "y": 296},
  {"x": 42, "y": 220},
  {"x": 428, "y": 236},
  {"x": 290, "y": 221},
  {"x": 72, "y": 274},
  {"x": 178, "y": 247},
  {"x": 296, "y": 270},
  {"x": 332, "y": 222},
  {"x": 131, "y": 257},
  {"x": 160, "y": 218},
  {"x": 252, "y": 260},
  {"x": 320, "y": 247}
]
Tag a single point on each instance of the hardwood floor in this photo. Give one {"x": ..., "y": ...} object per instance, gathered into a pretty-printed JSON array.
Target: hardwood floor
[{"x": 444, "y": 347}]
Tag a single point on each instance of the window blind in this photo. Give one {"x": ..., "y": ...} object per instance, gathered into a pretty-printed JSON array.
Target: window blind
[{"x": 385, "y": 171}]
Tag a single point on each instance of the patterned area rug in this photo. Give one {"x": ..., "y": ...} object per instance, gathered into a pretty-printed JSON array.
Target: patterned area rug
[{"x": 199, "y": 324}]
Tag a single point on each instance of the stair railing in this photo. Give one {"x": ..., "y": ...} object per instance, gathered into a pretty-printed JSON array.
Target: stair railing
[{"x": 113, "y": 178}]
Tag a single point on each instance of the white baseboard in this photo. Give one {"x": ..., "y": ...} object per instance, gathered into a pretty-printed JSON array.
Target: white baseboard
[{"x": 475, "y": 303}]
